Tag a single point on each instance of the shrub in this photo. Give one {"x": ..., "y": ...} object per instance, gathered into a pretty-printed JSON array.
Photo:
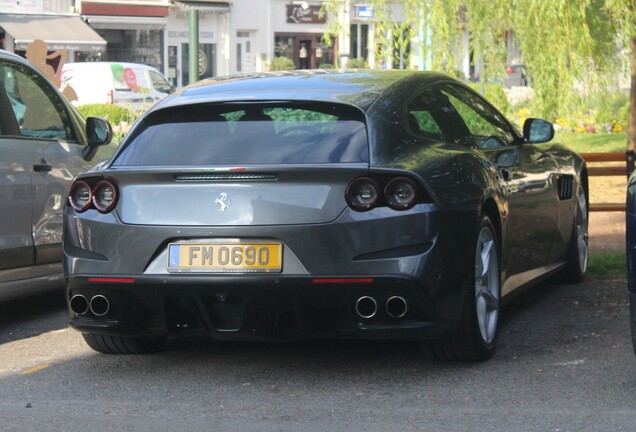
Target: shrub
[
  {"x": 115, "y": 114},
  {"x": 120, "y": 118},
  {"x": 357, "y": 63},
  {"x": 282, "y": 63},
  {"x": 612, "y": 108},
  {"x": 326, "y": 66},
  {"x": 598, "y": 113}
]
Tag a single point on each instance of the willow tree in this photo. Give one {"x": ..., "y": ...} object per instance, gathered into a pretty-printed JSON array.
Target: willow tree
[
  {"x": 623, "y": 18},
  {"x": 570, "y": 47}
]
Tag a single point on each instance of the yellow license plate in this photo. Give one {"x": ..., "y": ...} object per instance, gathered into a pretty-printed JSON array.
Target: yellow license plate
[{"x": 225, "y": 257}]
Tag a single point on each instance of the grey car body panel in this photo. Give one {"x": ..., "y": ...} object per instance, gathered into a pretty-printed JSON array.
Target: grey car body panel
[
  {"x": 373, "y": 243},
  {"x": 329, "y": 248},
  {"x": 323, "y": 86},
  {"x": 293, "y": 197},
  {"x": 425, "y": 251},
  {"x": 32, "y": 199}
]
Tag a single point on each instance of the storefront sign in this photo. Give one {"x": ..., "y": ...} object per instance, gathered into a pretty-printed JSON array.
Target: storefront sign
[
  {"x": 20, "y": 6},
  {"x": 297, "y": 14},
  {"x": 175, "y": 36},
  {"x": 365, "y": 11}
]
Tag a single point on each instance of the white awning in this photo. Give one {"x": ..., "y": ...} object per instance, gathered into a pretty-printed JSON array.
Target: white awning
[
  {"x": 67, "y": 32},
  {"x": 204, "y": 6}
]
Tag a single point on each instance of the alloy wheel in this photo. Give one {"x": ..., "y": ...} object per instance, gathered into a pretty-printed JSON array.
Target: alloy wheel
[
  {"x": 487, "y": 285},
  {"x": 582, "y": 236}
]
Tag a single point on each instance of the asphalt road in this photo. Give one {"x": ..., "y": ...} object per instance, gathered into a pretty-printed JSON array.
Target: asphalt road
[{"x": 564, "y": 363}]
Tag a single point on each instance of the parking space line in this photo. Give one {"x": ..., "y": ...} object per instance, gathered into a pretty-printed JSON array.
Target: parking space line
[{"x": 33, "y": 369}]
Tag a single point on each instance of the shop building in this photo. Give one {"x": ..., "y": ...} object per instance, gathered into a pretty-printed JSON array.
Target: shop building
[
  {"x": 134, "y": 30},
  {"x": 233, "y": 35},
  {"x": 214, "y": 39},
  {"x": 298, "y": 29},
  {"x": 56, "y": 23},
  {"x": 245, "y": 36}
]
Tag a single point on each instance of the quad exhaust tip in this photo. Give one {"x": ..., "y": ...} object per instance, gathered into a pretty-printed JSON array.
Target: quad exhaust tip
[
  {"x": 79, "y": 304},
  {"x": 99, "y": 305},
  {"x": 396, "y": 307},
  {"x": 366, "y": 307}
]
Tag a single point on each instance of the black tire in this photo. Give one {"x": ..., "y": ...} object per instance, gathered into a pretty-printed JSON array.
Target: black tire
[
  {"x": 124, "y": 345},
  {"x": 476, "y": 336},
  {"x": 578, "y": 248}
]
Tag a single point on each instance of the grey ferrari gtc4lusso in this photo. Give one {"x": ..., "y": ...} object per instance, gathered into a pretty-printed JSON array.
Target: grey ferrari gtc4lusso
[{"x": 354, "y": 204}]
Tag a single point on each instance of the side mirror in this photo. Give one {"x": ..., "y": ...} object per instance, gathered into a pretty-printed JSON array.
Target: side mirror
[
  {"x": 537, "y": 131},
  {"x": 98, "y": 132}
]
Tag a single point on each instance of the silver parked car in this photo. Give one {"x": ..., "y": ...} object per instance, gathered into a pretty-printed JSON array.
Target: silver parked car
[
  {"x": 44, "y": 143},
  {"x": 371, "y": 204}
]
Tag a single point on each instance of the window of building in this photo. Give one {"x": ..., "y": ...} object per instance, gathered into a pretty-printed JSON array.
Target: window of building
[{"x": 359, "y": 42}]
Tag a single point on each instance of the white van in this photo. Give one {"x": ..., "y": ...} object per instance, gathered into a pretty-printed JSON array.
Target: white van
[{"x": 133, "y": 85}]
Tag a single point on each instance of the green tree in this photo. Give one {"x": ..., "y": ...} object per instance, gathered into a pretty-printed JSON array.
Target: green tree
[
  {"x": 623, "y": 18},
  {"x": 570, "y": 47}
]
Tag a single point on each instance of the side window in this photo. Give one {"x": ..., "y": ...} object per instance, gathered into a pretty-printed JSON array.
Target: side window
[
  {"x": 487, "y": 127},
  {"x": 421, "y": 122},
  {"x": 430, "y": 115},
  {"x": 39, "y": 111},
  {"x": 159, "y": 83}
]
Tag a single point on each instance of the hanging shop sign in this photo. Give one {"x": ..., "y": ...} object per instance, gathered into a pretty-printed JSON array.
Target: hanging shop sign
[{"x": 305, "y": 14}]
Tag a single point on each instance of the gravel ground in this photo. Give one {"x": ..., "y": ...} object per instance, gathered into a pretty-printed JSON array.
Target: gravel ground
[{"x": 607, "y": 231}]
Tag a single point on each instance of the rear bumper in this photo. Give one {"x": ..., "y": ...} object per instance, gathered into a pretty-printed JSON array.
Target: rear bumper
[
  {"x": 276, "y": 308},
  {"x": 419, "y": 256}
]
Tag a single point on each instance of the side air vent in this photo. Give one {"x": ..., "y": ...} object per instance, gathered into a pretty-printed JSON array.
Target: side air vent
[
  {"x": 565, "y": 184},
  {"x": 225, "y": 177}
]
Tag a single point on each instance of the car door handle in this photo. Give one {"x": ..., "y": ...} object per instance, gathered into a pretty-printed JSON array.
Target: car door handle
[{"x": 42, "y": 166}]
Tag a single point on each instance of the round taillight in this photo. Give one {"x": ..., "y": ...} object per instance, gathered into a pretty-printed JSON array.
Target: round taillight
[
  {"x": 362, "y": 194},
  {"x": 400, "y": 193},
  {"x": 80, "y": 196},
  {"x": 104, "y": 196}
]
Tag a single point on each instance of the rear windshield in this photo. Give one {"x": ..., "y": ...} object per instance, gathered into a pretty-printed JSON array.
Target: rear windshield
[{"x": 243, "y": 134}]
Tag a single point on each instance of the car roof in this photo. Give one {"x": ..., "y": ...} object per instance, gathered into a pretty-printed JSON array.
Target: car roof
[
  {"x": 358, "y": 87},
  {"x": 15, "y": 57},
  {"x": 7, "y": 55}
]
